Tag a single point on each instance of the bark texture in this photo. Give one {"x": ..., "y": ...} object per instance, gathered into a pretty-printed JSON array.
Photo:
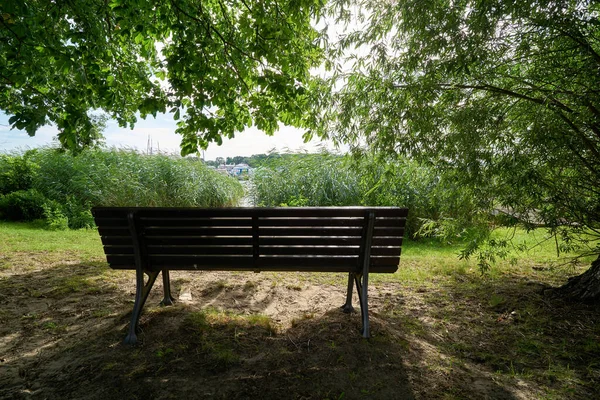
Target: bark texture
[{"x": 584, "y": 287}]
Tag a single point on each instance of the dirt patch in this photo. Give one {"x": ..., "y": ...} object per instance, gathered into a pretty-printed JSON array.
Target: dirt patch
[{"x": 273, "y": 336}]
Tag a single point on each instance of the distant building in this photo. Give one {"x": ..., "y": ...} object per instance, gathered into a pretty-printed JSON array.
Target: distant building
[
  {"x": 240, "y": 169},
  {"x": 235, "y": 170}
]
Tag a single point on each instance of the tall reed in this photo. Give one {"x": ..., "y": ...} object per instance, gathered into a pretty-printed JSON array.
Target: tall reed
[{"x": 74, "y": 184}]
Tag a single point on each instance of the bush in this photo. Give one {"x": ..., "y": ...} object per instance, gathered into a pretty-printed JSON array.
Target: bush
[
  {"x": 22, "y": 205},
  {"x": 437, "y": 206},
  {"x": 54, "y": 219},
  {"x": 16, "y": 173}
]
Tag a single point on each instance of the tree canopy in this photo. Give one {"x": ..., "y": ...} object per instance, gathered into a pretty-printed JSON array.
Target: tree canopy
[
  {"x": 217, "y": 65},
  {"x": 505, "y": 93}
]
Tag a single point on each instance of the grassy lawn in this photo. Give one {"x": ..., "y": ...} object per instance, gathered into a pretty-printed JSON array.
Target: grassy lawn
[{"x": 440, "y": 329}]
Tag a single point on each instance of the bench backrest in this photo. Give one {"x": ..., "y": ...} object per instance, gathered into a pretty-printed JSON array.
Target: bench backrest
[{"x": 328, "y": 239}]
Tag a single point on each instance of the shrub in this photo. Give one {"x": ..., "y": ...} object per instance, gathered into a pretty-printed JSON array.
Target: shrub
[
  {"x": 436, "y": 204},
  {"x": 22, "y": 205},
  {"x": 16, "y": 172},
  {"x": 54, "y": 219}
]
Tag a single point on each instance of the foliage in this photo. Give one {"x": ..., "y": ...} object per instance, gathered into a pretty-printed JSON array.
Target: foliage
[
  {"x": 331, "y": 180},
  {"x": 305, "y": 180},
  {"x": 502, "y": 94},
  {"x": 218, "y": 66},
  {"x": 67, "y": 185},
  {"x": 22, "y": 205},
  {"x": 16, "y": 173}
]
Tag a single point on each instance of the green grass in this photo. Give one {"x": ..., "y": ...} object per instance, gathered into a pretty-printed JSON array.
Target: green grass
[{"x": 24, "y": 237}]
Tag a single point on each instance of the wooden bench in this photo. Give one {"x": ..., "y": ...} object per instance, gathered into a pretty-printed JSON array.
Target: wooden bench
[{"x": 356, "y": 240}]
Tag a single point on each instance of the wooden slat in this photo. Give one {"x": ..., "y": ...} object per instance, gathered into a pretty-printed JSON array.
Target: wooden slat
[
  {"x": 195, "y": 222},
  {"x": 310, "y": 241},
  {"x": 158, "y": 212},
  {"x": 107, "y": 231},
  {"x": 377, "y": 269},
  {"x": 203, "y": 241},
  {"x": 306, "y": 222},
  {"x": 118, "y": 250},
  {"x": 264, "y": 250},
  {"x": 328, "y": 232},
  {"x": 385, "y": 260},
  {"x": 192, "y": 231},
  {"x": 174, "y": 261},
  {"x": 392, "y": 222},
  {"x": 383, "y": 269},
  {"x": 386, "y": 231},
  {"x": 112, "y": 222},
  {"x": 387, "y": 241},
  {"x": 309, "y": 250},
  {"x": 116, "y": 241},
  {"x": 276, "y": 241},
  {"x": 385, "y": 251},
  {"x": 200, "y": 250},
  {"x": 350, "y": 263}
]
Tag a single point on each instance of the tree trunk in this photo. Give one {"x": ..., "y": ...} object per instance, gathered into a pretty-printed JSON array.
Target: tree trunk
[{"x": 584, "y": 287}]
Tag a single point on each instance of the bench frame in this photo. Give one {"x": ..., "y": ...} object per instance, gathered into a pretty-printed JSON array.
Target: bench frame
[{"x": 146, "y": 277}]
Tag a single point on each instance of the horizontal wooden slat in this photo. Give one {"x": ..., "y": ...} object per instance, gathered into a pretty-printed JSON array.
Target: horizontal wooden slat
[
  {"x": 384, "y": 269},
  {"x": 112, "y": 222},
  {"x": 349, "y": 263},
  {"x": 247, "y": 221},
  {"x": 223, "y": 241},
  {"x": 200, "y": 250},
  {"x": 307, "y": 222},
  {"x": 174, "y": 261},
  {"x": 385, "y": 260},
  {"x": 310, "y": 241},
  {"x": 195, "y": 222},
  {"x": 241, "y": 260},
  {"x": 387, "y": 241},
  {"x": 309, "y": 250},
  {"x": 377, "y": 269},
  {"x": 325, "y": 232},
  {"x": 161, "y": 212},
  {"x": 202, "y": 241},
  {"x": 119, "y": 249},
  {"x": 385, "y": 251},
  {"x": 264, "y": 250},
  {"x": 392, "y": 222},
  {"x": 116, "y": 241},
  {"x": 386, "y": 231},
  {"x": 109, "y": 231},
  {"x": 192, "y": 231}
]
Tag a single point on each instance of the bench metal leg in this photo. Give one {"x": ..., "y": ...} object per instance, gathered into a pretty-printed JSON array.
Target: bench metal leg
[
  {"x": 362, "y": 289},
  {"x": 168, "y": 300},
  {"x": 347, "y": 307},
  {"x": 141, "y": 294}
]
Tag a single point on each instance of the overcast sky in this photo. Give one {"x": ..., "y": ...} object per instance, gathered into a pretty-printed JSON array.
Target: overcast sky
[{"x": 162, "y": 134}]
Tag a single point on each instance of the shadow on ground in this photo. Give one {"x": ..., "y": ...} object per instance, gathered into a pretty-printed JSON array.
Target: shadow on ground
[
  {"x": 62, "y": 327},
  {"x": 500, "y": 339}
]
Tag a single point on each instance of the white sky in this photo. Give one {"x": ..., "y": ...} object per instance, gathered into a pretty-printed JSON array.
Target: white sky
[{"x": 162, "y": 134}]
